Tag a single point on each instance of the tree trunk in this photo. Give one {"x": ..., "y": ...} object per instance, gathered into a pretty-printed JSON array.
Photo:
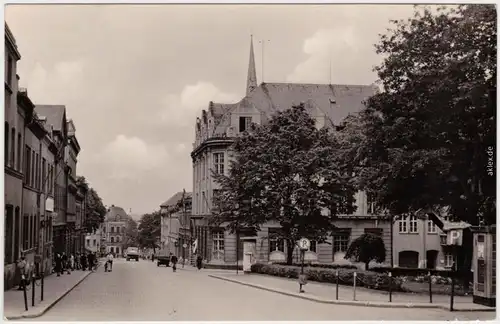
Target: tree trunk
[{"x": 289, "y": 254}]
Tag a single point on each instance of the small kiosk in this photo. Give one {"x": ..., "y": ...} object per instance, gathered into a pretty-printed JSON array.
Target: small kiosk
[{"x": 484, "y": 265}]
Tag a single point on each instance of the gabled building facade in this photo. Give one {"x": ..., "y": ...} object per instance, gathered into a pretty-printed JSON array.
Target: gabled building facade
[
  {"x": 114, "y": 230},
  {"x": 175, "y": 233}
]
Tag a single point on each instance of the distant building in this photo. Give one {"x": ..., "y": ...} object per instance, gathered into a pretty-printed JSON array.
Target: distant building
[
  {"x": 216, "y": 130},
  {"x": 93, "y": 241},
  {"x": 176, "y": 224},
  {"x": 114, "y": 229}
]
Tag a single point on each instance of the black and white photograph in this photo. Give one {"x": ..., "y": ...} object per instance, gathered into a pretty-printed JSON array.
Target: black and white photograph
[{"x": 249, "y": 162}]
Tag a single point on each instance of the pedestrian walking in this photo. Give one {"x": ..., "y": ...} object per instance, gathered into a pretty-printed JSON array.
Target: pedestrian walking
[
  {"x": 59, "y": 266},
  {"x": 174, "y": 260},
  {"x": 199, "y": 261},
  {"x": 65, "y": 263},
  {"x": 90, "y": 259},
  {"x": 83, "y": 261},
  {"x": 22, "y": 267},
  {"x": 109, "y": 261},
  {"x": 72, "y": 262}
]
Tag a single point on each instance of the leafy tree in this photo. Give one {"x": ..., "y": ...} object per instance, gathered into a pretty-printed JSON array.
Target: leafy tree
[
  {"x": 285, "y": 171},
  {"x": 95, "y": 208},
  {"x": 131, "y": 234},
  {"x": 366, "y": 248},
  {"x": 426, "y": 140},
  {"x": 149, "y": 230}
]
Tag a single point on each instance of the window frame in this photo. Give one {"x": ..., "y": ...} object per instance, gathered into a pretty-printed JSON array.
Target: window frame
[
  {"x": 431, "y": 227},
  {"x": 218, "y": 244},
  {"x": 413, "y": 220},
  {"x": 403, "y": 225},
  {"x": 12, "y": 153},
  {"x": 218, "y": 162},
  {"x": 276, "y": 244},
  {"x": 245, "y": 122},
  {"x": 338, "y": 241}
]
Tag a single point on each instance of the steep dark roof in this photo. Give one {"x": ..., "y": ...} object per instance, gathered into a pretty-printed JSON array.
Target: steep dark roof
[
  {"x": 115, "y": 211},
  {"x": 335, "y": 101},
  {"x": 172, "y": 201},
  {"x": 54, "y": 114}
]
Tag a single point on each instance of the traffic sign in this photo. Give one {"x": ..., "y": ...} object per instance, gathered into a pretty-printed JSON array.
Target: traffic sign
[{"x": 304, "y": 244}]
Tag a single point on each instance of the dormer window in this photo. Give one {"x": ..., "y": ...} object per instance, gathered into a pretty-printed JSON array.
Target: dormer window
[{"x": 245, "y": 123}]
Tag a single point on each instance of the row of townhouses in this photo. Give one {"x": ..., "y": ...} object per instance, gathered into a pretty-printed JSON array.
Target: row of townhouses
[
  {"x": 44, "y": 205},
  {"x": 415, "y": 242}
]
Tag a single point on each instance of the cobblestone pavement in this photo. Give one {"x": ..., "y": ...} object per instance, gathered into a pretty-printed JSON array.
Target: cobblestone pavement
[{"x": 137, "y": 291}]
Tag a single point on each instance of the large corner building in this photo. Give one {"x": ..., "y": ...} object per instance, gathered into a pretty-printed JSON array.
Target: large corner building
[{"x": 216, "y": 130}]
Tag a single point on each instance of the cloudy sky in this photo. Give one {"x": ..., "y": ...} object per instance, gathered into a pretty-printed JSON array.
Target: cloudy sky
[{"x": 134, "y": 78}]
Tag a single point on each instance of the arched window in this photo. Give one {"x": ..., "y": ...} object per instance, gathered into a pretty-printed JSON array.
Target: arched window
[
  {"x": 6, "y": 143},
  {"x": 13, "y": 148}
]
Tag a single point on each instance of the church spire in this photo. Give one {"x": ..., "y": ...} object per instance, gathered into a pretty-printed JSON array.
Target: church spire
[{"x": 252, "y": 75}]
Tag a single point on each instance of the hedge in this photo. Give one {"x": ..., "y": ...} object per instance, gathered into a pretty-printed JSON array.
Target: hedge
[
  {"x": 414, "y": 272},
  {"x": 315, "y": 265},
  {"x": 368, "y": 279}
]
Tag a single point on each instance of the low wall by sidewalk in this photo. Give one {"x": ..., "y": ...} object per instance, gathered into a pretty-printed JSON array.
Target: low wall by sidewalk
[{"x": 326, "y": 293}]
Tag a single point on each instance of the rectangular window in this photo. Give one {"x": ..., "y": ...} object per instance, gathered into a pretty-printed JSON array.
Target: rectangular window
[
  {"x": 403, "y": 224},
  {"x": 314, "y": 247},
  {"x": 6, "y": 144},
  {"x": 32, "y": 177},
  {"x": 275, "y": 242},
  {"x": 215, "y": 197},
  {"x": 32, "y": 231},
  {"x": 219, "y": 163},
  {"x": 44, "y": 175},
  {"x": 10, "y": 65},
  {"x": 340, "y": 240},
  {"x": 112, "y": 229},
  {"x": 431, "y": 227},
  {"x": 218, "y": 245},
  {"x": 413, "y": 224},
  {"x": 88, "y": 242},
  {"x": 19, "y": 151},
  {"x": 27, "y": 165},
  {"x": 370, "y": 202},
  {"x": 9, "y": 229},
  {"x": 37, "y": 171},
  {"x": 245, "y": 123},
  {"x": 13, "y": 148},
  {"x": 26, "y": 232}
]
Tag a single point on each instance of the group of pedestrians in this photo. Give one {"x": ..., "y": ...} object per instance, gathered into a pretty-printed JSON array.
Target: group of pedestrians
[{"x": 82, "y": 261}]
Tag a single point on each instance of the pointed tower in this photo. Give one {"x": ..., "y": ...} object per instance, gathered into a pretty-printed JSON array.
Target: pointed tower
[{"x": 252, "y": 75}]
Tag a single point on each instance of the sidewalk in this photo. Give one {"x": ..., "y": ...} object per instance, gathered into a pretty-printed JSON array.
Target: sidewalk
[
  {"x": 55, "y": 288},
  {"x": 326, "y": 293}
]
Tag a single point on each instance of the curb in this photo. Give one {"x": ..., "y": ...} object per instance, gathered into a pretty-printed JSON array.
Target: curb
[
  {"x": 49, "y": 306},
  {"x": 353, "y": 302}
]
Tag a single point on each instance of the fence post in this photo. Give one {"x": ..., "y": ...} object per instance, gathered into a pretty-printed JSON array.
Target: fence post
[
  {"x": 23, "y": 282},
  {"x": 430, "y": 287},
  {"x": 354, "y": 286},
  {"x": 390, "y": 287},
  {"x": 337, "y": 286},
  {"x": 33, "y": 281}
]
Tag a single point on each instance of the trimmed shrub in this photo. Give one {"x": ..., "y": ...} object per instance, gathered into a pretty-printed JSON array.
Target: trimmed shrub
[
  {"x": 222, "y": 266},
  {"x": 413, "y": 272},
  {"x": 316, "y": 265},
  {"x": 368, "y": 279}
]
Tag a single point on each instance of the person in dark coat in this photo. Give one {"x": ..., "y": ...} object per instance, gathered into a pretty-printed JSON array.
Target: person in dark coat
[
  {"x": 58, "y": 264},
  {"x": 83, "y": 261},
  {"x": 65, "y": 263},
  {"x": 174, "y": 260},
  {"x": 199, "y": 260},
  {"x": 90, "y": 258}
]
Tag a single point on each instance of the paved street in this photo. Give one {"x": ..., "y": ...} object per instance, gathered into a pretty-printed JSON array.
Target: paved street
[{"x": 141, "y": 291}]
